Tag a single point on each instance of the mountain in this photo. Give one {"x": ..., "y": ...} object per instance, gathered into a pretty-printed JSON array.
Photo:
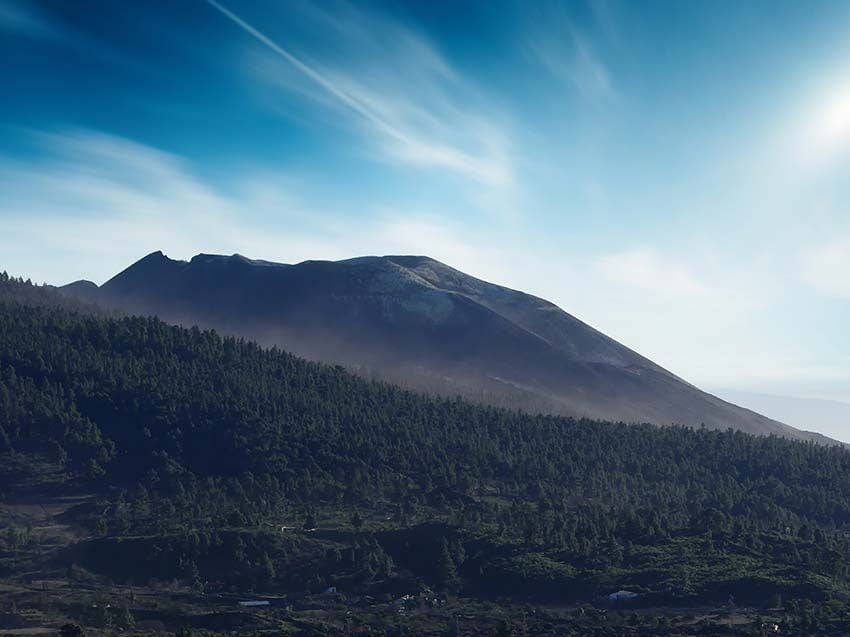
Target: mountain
[
  {"x": 141, "y": 460},
  {"x": 417, "y": 321},
  {"x": 829, "y": 416}
]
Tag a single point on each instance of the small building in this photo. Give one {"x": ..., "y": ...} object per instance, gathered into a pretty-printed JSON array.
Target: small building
[{"x": 621, "y": 596}]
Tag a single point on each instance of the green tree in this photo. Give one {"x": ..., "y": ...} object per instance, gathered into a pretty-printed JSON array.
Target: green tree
[
  {"x": 446, "y": 570},
  {"x": 310, "y": 522},
  {"x": 71, "y": 630},
  {"x": 267, "y": 568}
]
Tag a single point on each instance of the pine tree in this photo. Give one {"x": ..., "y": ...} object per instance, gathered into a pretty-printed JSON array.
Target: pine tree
[
  {"x": 446, "y": 570},
  {"x": 267, "y": 568}
]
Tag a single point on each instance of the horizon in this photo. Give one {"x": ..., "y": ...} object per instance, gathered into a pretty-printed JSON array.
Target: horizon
[{"x": 586, "y": 153}]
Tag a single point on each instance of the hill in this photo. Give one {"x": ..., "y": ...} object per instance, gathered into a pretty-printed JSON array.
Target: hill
[
  {"x": 418, "y": 322},
  {"x": 143, "y": 461}
]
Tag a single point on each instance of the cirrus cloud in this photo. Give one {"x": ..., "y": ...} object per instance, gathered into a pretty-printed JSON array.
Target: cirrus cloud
[{"x": 397, "y": 87}]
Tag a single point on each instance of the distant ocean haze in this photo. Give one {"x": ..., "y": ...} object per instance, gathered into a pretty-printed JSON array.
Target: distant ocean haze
[{"x": 829, "y": 417}]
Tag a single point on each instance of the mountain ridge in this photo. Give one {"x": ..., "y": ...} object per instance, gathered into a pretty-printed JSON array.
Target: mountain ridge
[{"x": 414, "y": 320}]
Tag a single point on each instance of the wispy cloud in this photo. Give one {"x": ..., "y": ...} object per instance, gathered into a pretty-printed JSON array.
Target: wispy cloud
[
  {"x": 569, "y": 52},
  {"x": 95, "y": 201},
  {"x": 91, "y": 203},
  {"x": 649, "y": 271},
  {"x": 705, "y": 308},
  {"x": 417, "y": 108},
  {"x": 25, "y": 18}
]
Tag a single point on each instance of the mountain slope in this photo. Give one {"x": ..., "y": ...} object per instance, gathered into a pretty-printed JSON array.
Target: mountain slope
[
  {"x": 157, "y": 454},
  {"x": 415, "y": 320}
]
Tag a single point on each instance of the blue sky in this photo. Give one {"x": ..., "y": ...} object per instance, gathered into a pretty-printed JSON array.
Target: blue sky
[{"x": 673, "y": 173}]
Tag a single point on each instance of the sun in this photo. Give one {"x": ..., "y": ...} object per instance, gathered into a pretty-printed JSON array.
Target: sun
[{"x": 831, "y": 122}]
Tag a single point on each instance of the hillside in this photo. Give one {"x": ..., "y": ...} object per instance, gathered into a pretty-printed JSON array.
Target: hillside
[
  {"x": 418, "y": 322},
  {"x": 155, "y": 452},
  {"x": 138, "y": 457}
]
